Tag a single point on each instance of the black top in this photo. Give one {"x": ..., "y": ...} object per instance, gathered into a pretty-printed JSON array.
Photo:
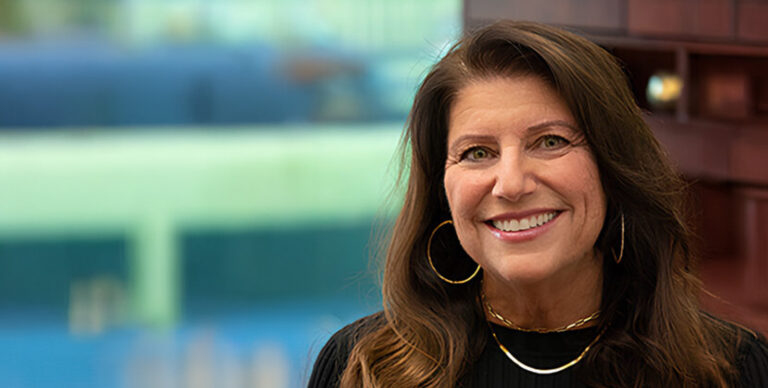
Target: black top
[{"x": 494, "y": 369}]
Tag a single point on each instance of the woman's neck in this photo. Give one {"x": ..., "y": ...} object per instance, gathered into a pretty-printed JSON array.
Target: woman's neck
[{"x": 550, "y": 303}]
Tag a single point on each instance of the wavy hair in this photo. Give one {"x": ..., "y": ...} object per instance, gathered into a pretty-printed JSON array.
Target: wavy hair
[{"x": 655, "y": 333}]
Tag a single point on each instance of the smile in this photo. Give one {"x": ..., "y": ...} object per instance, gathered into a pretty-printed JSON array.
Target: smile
[{"x": 516, "y": 225}]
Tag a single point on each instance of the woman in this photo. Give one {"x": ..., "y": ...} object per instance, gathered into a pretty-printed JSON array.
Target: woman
[{"x": 574, "y": 264}]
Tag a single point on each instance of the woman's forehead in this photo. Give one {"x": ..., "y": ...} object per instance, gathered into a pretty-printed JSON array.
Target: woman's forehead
[{"x": 520, "y": 103}]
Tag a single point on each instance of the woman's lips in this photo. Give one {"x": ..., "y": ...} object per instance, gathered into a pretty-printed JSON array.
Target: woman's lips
[{"x": 522, "y": 228}]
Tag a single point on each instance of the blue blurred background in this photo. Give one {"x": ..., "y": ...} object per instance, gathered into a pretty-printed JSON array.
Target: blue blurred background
[{"x": 192, "y": 192}]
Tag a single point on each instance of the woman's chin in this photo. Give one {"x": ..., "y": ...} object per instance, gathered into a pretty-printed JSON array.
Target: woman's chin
[{"x": 524, "y": 273}]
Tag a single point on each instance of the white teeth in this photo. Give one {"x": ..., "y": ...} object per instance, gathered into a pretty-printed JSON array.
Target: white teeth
[{"x": 523, "y": 224}]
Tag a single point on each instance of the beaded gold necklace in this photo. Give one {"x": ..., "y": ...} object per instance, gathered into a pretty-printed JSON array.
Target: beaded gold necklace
[{"x": 579, "y": 323}]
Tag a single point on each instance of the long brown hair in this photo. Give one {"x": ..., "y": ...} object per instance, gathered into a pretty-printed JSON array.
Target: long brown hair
[{"x": 655, "y": 334}]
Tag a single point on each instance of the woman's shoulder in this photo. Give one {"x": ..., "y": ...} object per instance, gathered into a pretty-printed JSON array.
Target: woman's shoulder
[
  {"x": 751, "y": 352},
  {"x": 752, "y": 360},
  {"x": 332, "y": 359}
]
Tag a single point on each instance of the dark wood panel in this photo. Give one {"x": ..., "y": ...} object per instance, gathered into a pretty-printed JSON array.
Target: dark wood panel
[
  {"x": 749, "y": 160},
  {"x": 753, "y": 20},
  {"x": 698, "y": 150},
  {"x": 714, "y": 218},
  {"x": 718, "y": 152},
  {"x": 655, "y": 17},
  {"x": 754, "y": 212},
  {"x": 713, "y": 18},
  {"x": 690, "y": 18}
]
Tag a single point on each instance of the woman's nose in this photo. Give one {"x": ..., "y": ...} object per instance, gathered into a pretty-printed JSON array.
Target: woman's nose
[{"x": 514, "y": 177}]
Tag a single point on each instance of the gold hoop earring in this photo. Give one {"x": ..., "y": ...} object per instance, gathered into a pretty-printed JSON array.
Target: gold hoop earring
[
  {"x": 621, "y": 247},
  {"x": 432, "y": 265}
]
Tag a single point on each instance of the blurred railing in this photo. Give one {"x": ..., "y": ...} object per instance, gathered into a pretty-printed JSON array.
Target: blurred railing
[{"x": 149, "y": 186}]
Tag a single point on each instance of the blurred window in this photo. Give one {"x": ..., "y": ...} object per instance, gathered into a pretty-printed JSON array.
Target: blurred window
[{"x": 102, "y": 63}]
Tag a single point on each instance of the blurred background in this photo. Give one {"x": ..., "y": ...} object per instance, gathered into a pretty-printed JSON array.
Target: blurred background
[{"x": 192, "y": 192}]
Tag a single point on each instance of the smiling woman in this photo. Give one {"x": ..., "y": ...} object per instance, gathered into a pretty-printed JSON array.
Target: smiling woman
[
  {"x": 527, "y": 141},
  {"x": 514, "y": 158}
]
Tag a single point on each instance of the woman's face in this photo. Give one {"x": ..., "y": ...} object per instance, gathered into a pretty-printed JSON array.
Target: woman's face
[{"x": 522, "y": 184}]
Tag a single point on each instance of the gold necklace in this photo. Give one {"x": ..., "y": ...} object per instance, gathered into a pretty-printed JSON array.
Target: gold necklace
[
  {"x": 579, "y": 323},
  {"x": 543, "y": 371}
]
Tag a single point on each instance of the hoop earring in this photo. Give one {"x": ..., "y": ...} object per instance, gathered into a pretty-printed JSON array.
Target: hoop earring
[
  {"x": 621, "y": 247},
  {"x": 432, "y": 265}
]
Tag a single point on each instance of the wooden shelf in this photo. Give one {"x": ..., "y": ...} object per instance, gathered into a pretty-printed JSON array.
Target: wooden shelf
[{"x": 747, "y": 49}]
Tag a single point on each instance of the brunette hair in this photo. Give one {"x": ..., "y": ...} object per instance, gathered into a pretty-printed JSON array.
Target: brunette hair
[{"x": 655, "y": 334}]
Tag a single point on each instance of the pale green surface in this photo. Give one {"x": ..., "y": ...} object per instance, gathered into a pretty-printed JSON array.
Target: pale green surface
[
  {"x": 367, "y": 24},
  {"x": 265, "y": 176},
  {"x": 149, "y": 184}
]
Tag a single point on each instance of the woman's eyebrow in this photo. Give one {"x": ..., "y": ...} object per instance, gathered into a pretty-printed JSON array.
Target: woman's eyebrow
[{"x": 551, "y": 123}]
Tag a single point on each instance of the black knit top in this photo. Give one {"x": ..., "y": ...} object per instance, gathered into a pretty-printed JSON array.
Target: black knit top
[{"x": 543, "y": 351}]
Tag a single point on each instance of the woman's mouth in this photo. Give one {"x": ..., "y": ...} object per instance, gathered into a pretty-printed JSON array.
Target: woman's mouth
[{"x": 517, "y": 225}]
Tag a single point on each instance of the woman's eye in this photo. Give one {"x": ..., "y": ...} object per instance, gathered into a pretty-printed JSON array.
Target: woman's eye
[
  {"x": 476, "y": 153},
  {"x": 552, "y": 142}
]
